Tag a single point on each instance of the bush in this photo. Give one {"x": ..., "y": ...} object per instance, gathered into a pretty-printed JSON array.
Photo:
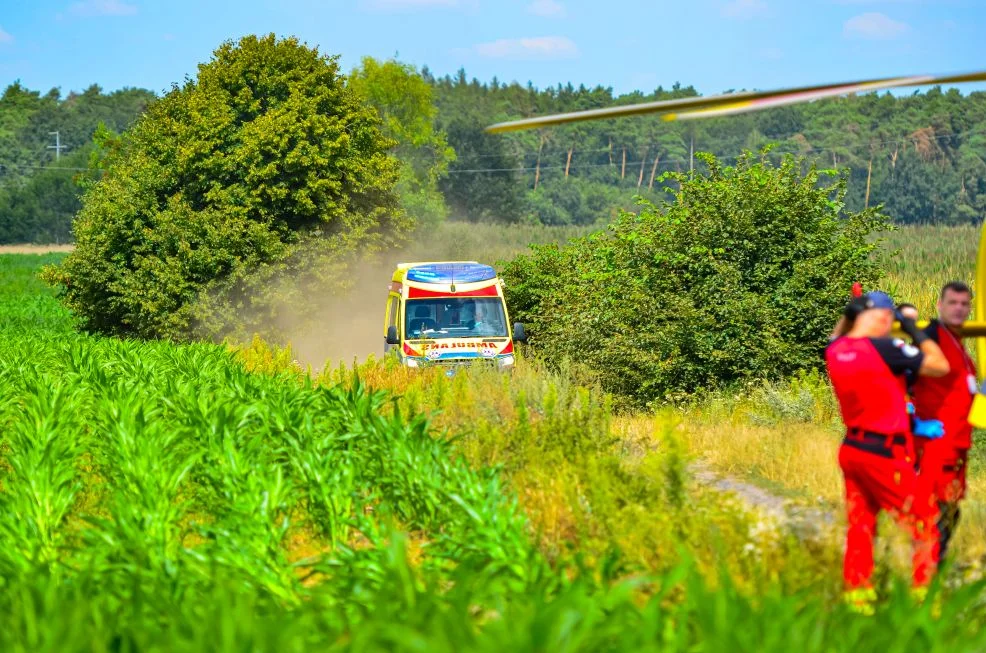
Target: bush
[
  {"x": 740, "y": 276},
  {"x": 263, "y": 167}
]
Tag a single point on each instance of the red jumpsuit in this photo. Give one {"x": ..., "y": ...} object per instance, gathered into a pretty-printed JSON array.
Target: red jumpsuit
[
  {"x": 942, "y": 476},
  {"x": 877, "y": 455}
]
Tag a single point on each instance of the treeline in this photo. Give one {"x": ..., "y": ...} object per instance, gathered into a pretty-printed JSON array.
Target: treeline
[
  {"x": 923, "y": 156},
  {"x": 39, "y": 185}
]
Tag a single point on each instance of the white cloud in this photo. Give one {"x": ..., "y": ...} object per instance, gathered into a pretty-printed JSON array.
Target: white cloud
[
  {"x": 874, "y": 26},
  {"x": 548, "y": 8},
  {"x": 743, "y": 8},
  {"x": 102, "y": 8},
  {"x": 539, "y": 47},
  {"x": 5, "y": 37},
  {"x": 406, "y": 5}
]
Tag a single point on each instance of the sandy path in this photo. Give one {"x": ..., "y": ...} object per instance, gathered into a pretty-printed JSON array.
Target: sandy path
[
  {"x": 34, "y": 249},
  {"x": 806, "y": 522}
]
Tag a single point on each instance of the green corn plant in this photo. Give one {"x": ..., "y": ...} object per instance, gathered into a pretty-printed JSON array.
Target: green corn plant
[{"x": 43, "y": 442}]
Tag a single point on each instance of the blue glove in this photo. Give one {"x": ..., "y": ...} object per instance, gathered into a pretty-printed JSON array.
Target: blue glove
[{"x": 928, "y": 428}]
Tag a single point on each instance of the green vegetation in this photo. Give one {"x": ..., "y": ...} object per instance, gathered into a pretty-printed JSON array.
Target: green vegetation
[
  {"x": 162, "y": 497},
  {"x": 923, "y": 155},
  {"x": 735, "y": 279},
  {"x": 924, "y": 258},
  {"x": 39, "y": 194},
  {"x": 404, "y": 101},
  {"x": 265, "y": 167}
]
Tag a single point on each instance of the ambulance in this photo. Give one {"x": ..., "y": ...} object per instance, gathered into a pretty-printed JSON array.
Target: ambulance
[{"x": 450, "y": 314}]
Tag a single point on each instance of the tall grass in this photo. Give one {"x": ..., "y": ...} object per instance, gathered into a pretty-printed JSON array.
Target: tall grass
[
  {"x": 593, "y": 486},
  {"x": 486, "y": 243},
  {"x": 923, "y": 258}
]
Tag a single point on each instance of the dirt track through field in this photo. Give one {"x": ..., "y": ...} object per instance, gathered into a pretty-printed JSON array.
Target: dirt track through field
[
  {"x": 35, "y": 249},
  {"x": 806, "y": 522}
]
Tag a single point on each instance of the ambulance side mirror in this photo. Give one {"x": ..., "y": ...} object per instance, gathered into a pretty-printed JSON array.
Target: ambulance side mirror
[
  {"x": 392, "y": 337},
  {"x": 519, "y": 334}
]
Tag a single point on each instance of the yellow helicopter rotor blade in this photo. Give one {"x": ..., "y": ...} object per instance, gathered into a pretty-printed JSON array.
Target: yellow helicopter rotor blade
[{"x": 731, "y": 103}]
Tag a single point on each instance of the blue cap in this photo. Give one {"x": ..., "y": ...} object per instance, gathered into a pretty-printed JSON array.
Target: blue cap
[{"x": 878, "y": 299}]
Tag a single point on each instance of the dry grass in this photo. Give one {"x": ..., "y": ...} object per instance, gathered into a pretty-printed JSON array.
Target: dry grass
[
  {"x": 797, "y": 459},
  {"x": 36, "y": 249}
]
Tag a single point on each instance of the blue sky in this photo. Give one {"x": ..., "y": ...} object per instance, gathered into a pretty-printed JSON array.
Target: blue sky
[{"x": 715, "y": 45}]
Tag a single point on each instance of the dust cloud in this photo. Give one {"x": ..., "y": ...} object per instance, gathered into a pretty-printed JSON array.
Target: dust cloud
[
  {"x": 346, "y": 327},
  {"x": 341, "y": 327}
]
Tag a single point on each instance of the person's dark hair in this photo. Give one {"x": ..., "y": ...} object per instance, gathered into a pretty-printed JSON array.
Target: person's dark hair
[
  {"x": 955, "y": 286},
  {"x": 906, "y": 305}
]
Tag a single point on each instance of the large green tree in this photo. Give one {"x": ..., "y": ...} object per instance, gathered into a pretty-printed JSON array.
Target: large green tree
[
  {"x": 264, "y": 166},
  {"x": 404, "y": 100}
]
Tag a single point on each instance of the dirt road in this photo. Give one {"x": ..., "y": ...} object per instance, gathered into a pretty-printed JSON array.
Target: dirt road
[{"x": 35, "y": 249}]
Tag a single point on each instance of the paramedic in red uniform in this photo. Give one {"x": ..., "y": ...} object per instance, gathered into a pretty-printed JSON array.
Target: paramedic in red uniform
[
  {"x": 868, "y": 368},
  {"x": 947, "y": 399}
]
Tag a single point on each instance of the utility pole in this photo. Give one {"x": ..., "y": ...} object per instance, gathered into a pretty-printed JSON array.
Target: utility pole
[
  {"x": 691, "y": 155},
  {"x": 58, "y": 147}
]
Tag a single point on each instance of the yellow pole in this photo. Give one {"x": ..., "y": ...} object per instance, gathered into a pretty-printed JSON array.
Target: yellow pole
[{"x": 980, "y": 301}]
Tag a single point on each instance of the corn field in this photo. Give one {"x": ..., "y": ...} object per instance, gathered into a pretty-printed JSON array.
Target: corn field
[
  {"x": 921, "y": 259},
  {"x": 156, "y": 497}
]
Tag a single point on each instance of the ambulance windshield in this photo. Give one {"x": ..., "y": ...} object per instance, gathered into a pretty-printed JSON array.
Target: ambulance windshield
[{"x": 454, "y": 317}]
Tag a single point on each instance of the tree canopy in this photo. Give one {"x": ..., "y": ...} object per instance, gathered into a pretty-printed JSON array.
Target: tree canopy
[
  {"x": 923, "y": 156},
  {"x": 265, "y": 165},
  {"x": 39, "y": 188},
  {"x": 404, "y": 100}
]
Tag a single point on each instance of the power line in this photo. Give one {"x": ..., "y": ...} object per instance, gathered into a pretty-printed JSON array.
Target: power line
[
  {"x": 811, "y": 150},
  {"x": 33, "y": 167}
]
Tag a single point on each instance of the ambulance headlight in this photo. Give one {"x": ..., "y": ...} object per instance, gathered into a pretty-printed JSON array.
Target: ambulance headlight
[
  {"x": 410, "y": 362},
  {"x": 505, "y": 361}
]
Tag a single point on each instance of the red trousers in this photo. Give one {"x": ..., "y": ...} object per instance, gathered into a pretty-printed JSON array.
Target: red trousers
[
  {"x": 876, "y": 482},
  {"x": 942, "y": 480},
  {"x": 942, "y": 466}
]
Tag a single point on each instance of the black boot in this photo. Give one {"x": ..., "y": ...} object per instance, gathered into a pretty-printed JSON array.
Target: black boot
[{"x": 948, "y": 519}]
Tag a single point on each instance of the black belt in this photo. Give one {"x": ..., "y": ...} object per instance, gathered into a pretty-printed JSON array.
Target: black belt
[{"x": 875, "y": 443}]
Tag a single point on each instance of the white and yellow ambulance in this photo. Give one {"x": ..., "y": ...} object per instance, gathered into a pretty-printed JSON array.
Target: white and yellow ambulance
[{"x": 450, "y": 314}]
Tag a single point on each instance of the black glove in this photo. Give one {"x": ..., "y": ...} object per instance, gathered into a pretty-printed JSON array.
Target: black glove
[
  {"x": 854, "y": 308},
  {"x": 910, "y": 327}
]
